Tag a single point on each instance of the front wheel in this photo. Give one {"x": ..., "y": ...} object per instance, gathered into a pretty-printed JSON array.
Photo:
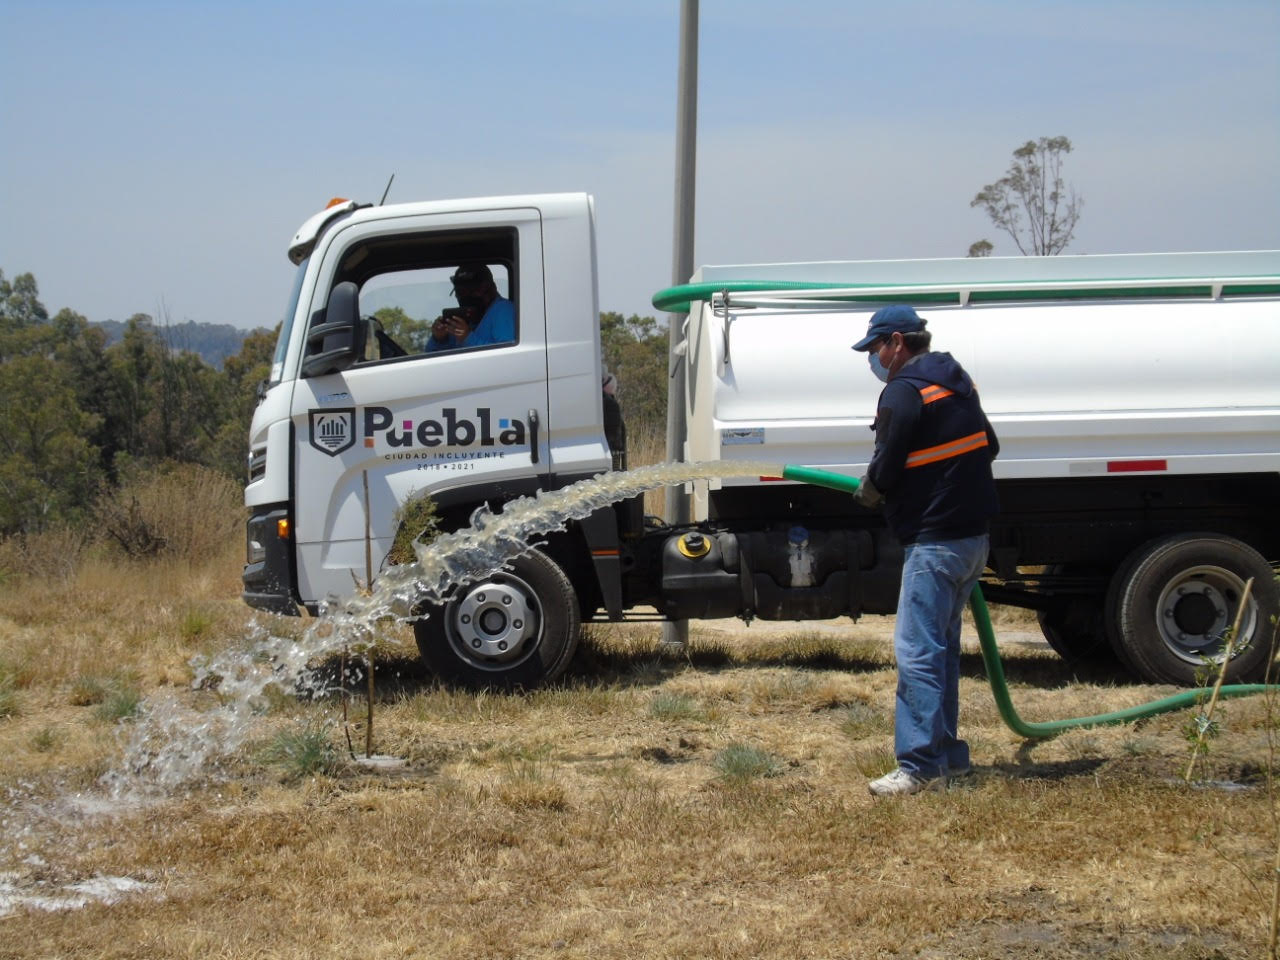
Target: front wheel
[
  {"x": 1175, "y": 599},
  {"x": 517, "y": 628}
]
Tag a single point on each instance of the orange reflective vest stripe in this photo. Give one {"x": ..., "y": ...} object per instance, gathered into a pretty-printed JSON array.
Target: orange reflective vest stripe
[
  {"x": 944, "y": 451},
  {"x": 934, "y": 392}
]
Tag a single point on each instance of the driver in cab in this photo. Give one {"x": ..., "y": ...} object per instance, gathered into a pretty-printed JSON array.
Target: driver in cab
[{"x": 482, "y": 316}]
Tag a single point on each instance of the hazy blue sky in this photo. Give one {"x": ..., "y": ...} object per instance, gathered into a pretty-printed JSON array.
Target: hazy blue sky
[{"x": 159, "y": 155}]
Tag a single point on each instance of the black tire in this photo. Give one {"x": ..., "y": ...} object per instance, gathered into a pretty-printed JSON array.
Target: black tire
[
  {"x": 1073, "y": 627},
  {"x": 1111, "y": 609},
  {"x": 1173, "y": 600},
  {"x": 514, "y": 629}
]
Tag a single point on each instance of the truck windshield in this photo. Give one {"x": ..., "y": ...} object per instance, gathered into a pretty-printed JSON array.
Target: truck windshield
[{"x": 282, "y": 343}]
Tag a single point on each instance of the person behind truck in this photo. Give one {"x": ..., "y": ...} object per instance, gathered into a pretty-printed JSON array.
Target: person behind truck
[
  {"x": 615, "y": 428},
  {"x": 482, "y": 317},
  {"x": 932, "y": 471}
]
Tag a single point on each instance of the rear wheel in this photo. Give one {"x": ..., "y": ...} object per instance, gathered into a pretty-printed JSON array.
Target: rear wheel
[
  {"x": 1074, "y": 630},
  {"x": 1174, "y": 600},
  {"x": 515, "y": 628},
  {"x": 1073, "y": 626}
]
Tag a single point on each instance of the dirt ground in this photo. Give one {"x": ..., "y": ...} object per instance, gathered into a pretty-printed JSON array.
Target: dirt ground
[{"x": 708, "y": 801}]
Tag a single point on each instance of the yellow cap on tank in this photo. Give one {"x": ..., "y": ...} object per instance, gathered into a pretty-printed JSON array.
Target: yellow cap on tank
[{"x": 694, "y": 545}]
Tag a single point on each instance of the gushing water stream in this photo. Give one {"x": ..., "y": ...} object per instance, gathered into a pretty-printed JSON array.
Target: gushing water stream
[{"x": 170, "y": 743}]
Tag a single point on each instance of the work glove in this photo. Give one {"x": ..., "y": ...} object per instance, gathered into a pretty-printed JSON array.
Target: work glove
[{"x": 867, "y": 495}]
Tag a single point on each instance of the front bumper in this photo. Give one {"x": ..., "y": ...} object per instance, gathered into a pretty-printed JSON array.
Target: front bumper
[{"x": 269, "y": 571}]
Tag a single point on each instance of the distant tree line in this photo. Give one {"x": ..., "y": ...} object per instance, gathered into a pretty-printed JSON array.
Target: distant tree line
[
  {"x": 77, "y": 415},
  {"x": 213, "y": 342},
  {"x": 82, "y": 413}
]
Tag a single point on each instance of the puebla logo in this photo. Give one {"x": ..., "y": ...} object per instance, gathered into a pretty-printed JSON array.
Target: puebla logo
[
  {"x": 333, "y": 431},
  {"x": 448, "y": 431}
]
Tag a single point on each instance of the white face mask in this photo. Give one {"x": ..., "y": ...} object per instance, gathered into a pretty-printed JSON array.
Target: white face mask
[{"x": 880, "y": 371}]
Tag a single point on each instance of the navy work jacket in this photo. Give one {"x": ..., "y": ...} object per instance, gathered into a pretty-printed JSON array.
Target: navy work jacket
[{"x": 934, "y": 448}]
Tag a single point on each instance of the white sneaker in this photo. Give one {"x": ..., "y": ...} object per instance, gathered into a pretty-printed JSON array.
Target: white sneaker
[{"x": 901, "y": 783}]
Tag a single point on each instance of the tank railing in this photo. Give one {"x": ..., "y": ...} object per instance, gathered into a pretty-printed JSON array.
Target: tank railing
[{"x": 836, "y": 298}]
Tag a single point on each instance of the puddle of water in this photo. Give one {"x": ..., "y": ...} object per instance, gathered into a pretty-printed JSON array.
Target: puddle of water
[
  {"x": 1225, "y": 786},
  {"x": 21, "y": 891}
]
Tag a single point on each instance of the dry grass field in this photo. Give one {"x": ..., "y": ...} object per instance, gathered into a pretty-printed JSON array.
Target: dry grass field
[{"x": 708, "y": 802}]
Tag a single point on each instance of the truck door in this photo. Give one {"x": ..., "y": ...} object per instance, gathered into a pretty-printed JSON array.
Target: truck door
[{"x": 464, "y": 419}]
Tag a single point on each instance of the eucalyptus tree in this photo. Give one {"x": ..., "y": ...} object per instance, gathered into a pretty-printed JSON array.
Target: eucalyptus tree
[{"x": 1031, "y": 202}]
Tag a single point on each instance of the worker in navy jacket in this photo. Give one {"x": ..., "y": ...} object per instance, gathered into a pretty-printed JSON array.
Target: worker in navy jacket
[{"x": 932, "y": 471}]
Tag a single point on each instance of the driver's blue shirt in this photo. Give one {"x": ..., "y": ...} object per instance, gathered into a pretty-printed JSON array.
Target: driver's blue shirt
[{"x": 498, "y": 325}]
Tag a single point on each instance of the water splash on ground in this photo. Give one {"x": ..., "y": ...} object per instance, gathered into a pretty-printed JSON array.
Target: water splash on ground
[
  {"x": 178, "y": 739},
  {"x": 171, "y": 743},
  {"x": 20, "y": 890}
]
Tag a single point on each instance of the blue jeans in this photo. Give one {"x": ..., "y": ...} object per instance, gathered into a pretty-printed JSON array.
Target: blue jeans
[{"x": 937, "y": 579}]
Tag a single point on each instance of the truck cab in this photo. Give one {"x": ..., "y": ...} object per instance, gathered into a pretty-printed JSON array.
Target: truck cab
[{"x": 363, "y": 410}]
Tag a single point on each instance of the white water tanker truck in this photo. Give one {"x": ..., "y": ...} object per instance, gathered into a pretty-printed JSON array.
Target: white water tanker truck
[{"x": 1137, "y": 401}]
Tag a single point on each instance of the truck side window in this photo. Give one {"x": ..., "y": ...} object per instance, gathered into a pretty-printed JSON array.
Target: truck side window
[
  {"x": 429, "y": 311},
  {"x": 429, "y": 294}
]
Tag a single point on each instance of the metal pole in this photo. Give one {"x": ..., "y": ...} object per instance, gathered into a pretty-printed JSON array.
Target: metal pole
[{"x": 676, "y": 503}]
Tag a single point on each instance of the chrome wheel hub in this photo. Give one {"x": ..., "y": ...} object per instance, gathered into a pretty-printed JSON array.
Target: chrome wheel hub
[
  {"x": 1197, "y": 608},
  {"x": 493, "y": 623}
]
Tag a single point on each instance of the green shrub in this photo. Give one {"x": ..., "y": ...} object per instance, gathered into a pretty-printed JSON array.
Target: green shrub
[
  {"x": 120, "y": 703},
  {"x": 45, "y": 740},
  {"x": 87, "y": 690},
  {"x": 195, "y": 623},
  {"x": 674, "y": 706},
  {"x": 178, "y": 511},
  {"x": 863, "y": 720},
  {"x": 303, "y": 750},
  {"x": 416, "y": 522},
  {"x": 740, "y": 762}
]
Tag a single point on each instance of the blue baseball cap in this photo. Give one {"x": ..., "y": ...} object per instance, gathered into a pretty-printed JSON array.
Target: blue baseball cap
[{"x": 899, "y": 318}]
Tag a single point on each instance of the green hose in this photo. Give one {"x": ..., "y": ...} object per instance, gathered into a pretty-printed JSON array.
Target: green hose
[
  {"x": 1051, "y": 728},
  {"x": 995, "y": 668}
]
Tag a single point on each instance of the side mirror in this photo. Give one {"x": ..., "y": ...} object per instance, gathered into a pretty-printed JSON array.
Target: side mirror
[{"x": 336, "y": 338}]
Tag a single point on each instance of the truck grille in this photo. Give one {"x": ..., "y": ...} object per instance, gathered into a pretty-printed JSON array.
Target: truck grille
[{"x": 257, "y": 464}]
